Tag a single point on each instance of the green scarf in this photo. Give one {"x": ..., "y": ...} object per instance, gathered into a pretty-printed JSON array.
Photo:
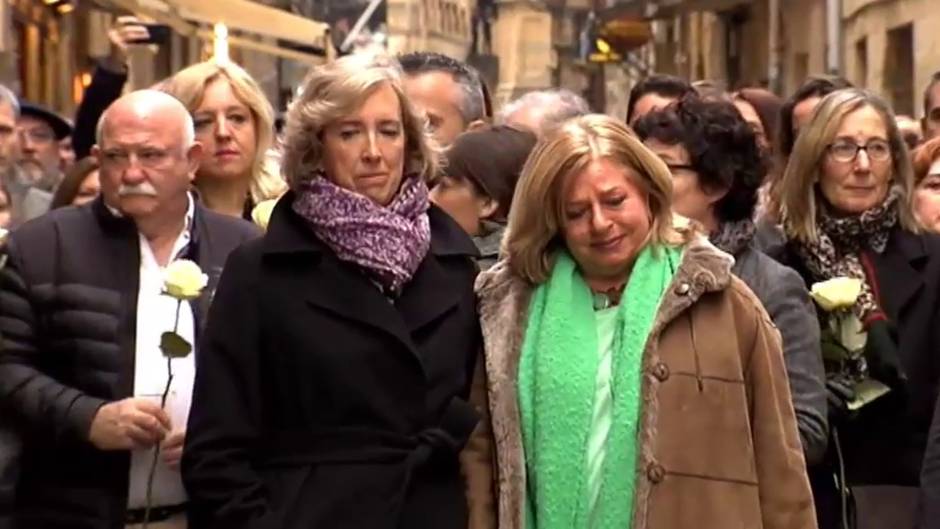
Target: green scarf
[{"x": 557, "y": 379}]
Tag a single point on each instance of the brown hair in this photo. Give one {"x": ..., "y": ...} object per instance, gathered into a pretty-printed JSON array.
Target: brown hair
[
  {"x": 534, "y": 224},
  {"x": 767, "y": 105},
  {"x": 67, "y": 191},
  {"x": 491, "y": 159},
  {"x": 924, "y": 157}
]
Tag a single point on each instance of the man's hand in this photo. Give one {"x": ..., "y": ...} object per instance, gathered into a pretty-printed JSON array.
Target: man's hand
[
  {"x": 172, "y": 449},
  {"x": 125, "y": 31},
  {"x": 129, "y": 424}
]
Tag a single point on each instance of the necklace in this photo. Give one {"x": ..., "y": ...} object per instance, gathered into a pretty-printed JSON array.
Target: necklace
[{"x": 608, "y": 298}]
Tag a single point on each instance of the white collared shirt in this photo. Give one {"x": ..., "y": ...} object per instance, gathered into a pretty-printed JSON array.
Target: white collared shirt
[{"x": 156, "y": 314}]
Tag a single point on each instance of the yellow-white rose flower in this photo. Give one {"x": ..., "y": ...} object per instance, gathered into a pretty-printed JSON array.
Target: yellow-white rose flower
[
  {"x": 184, "y": 280},
  {"x": 261, "y": 214},
  {"x": 836, "y": 293}
]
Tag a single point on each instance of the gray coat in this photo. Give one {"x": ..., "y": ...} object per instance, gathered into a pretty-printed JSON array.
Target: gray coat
[{"x": 786, "y": 299}]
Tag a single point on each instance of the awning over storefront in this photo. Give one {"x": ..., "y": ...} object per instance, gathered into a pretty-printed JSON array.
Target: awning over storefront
[
  {"x": 283, "y": 33},
  {"x": 669, "y": 8},
  {"x": 653, "y": 9}
]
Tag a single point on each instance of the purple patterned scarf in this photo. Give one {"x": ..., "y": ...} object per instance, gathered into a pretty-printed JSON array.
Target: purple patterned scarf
[{"x": 387, "y": 242}]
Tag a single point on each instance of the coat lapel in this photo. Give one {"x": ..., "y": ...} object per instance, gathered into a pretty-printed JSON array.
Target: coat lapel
[
  {"x": 432, "y": 292},
  {"x": 428, "y": 296},
  {"x": 703, "y": 269},
  {"x": 504, "y": 307},
  {"x": 899, "y": 271},
  {"x": 352, "y": 296},
  {"x": 201, "y": 251}
]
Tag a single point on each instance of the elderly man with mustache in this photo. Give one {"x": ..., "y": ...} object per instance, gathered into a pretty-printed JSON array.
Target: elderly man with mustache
[{"x": 81, "y": 314}]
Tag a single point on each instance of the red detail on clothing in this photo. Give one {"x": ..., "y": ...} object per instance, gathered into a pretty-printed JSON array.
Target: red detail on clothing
[{"x": 872, "y": 278}]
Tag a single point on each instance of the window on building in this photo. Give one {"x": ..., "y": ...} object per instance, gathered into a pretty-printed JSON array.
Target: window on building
[
  {"x": 434, "y": 17},
  {"x": 734, "y": 27},
  {"x": 448, "y": 22},
  {"x": 898, "y": 82},
  {"x": 861, "y": 62}
]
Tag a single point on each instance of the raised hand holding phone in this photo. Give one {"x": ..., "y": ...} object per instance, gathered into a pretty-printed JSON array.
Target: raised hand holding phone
[{"x": 129, "y": 31}]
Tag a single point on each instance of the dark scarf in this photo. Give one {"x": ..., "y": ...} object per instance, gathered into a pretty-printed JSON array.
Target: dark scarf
[
  {"x": 387, "y": 242},
  {"x": 840, "y": 242},
  {"x": 732, "y": 237}
]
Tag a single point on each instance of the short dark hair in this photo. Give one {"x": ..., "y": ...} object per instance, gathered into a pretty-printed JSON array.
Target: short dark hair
[
  {"x": 495, "y": 174},
  {"x": 816, "y": 86},
  {"x": 473, "y": 106},
  {"x": 766, "y": 104},
  {"x": 722, "y": 148},
  {"x": 662, "y": 84},
  {"x": 934, "y": 80}
]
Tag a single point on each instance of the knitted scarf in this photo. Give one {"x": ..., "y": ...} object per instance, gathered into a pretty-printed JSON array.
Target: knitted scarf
[
  {"x": 732, "y": 237},
  {"x": 842, "y": 239},
  {"x": 557, "y": 375},
  {"x": 387, "y": 242}
]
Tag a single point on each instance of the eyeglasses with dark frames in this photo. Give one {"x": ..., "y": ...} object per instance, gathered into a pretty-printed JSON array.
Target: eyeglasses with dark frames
[{"x": 847, "y": 151}]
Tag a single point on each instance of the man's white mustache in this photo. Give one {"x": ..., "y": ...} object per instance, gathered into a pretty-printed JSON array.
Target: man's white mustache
[{"x": 143, "y": 188}]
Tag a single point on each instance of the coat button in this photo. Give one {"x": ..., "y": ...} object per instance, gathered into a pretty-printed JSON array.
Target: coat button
[
  {"x": 683, "y": 289},
  {"x": 661, "y": 372},
  {"x": 656, "y": 473}
]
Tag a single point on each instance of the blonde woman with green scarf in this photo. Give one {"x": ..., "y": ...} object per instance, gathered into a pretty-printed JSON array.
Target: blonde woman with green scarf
[{"x": 631, "y": 380}]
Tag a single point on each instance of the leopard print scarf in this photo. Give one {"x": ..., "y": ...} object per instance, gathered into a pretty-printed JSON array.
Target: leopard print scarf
[
  {"x": 842, "y": 239},
  {"x": 732, "y": 237}
]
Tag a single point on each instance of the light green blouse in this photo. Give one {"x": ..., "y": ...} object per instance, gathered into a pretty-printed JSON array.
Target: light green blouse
[{"x": 602, "y": 416}]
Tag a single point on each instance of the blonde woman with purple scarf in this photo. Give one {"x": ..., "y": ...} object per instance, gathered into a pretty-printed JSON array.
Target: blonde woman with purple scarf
[{"x": 333, "y": 383}]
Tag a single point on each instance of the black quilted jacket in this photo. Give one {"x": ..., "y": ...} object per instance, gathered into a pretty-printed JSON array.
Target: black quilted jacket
[{"x": 68, "y": 300}]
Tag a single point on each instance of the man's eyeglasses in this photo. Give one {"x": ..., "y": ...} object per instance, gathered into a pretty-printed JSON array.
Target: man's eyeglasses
[
  {"x": 846, "y": 151},
  {"x": 41, "y": 136}
]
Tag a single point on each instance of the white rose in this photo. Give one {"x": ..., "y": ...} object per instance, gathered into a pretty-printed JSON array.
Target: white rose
[{"x": 184, "y": 280}]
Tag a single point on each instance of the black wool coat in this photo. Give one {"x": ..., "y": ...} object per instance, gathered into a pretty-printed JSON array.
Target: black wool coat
[
  {"x": 320, "y": 402},
  {"x": 885, "y": 443}
]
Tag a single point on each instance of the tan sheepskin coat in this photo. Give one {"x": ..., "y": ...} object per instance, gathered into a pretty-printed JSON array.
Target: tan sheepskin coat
[{"x": 718, "y": 446}]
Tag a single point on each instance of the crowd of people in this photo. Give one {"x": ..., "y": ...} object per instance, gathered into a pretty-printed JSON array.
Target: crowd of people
[{"x": 415, "y": 310}]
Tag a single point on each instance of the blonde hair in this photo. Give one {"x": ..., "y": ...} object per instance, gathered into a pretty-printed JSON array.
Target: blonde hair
[
  {"x": 799, "y": 194},
  {"x": 189, "y": 86},
  {"x": 535, "y": 222},
  {"x": 337, "y": 89}
]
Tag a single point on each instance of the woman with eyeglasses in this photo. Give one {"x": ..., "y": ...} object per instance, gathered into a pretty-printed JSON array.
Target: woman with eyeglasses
[
  {"x": 846, "y": 205},
  {"x": 795, "y": 114}
]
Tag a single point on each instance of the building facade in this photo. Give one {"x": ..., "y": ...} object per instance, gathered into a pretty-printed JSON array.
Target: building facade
[
  {"x": 48, "y": 50},
  {"x": 892, "y": 48},
  {"x": 888, "y": 46}
]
